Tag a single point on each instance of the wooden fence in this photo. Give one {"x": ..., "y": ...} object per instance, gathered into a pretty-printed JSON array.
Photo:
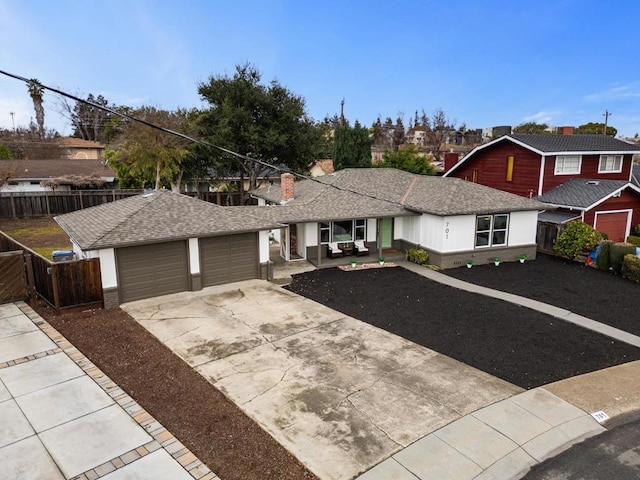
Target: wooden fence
[
  {"x": 63, "y": 285},
  {"x": 39, "y": 204},
  {"x": 546, "y": 236},
  {"x": 13, "y": 279}
]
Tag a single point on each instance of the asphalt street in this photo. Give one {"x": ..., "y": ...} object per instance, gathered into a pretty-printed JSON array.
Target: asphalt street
[{"x": 614, "y": 454}]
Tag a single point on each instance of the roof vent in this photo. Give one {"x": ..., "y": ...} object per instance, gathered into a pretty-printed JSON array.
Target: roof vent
[
  {"x": 147, "y": 195},
  {"x": 593, "y": 182}
]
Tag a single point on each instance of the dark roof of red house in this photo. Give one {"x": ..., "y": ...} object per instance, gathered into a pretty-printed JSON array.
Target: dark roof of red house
[
  {"x": 583, "y": 193},
  {"x": 574, "y": 143}
]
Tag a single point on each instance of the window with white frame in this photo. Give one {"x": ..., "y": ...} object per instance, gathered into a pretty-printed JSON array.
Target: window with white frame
[
  {"x": 610, "y": 164},
  {"x": 568, "y": 164},
  {"x": 343, "y": 230},
  {"x": 491, "y": 230}
]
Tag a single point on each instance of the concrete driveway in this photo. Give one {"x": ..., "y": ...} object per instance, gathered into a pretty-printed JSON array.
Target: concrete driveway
[{"x": 340, "y": 394}]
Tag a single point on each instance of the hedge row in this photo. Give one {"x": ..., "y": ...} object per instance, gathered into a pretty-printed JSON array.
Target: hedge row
[{"x": 631, "y": 268}]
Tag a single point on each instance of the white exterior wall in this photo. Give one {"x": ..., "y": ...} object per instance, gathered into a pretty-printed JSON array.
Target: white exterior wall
[
  {"x": 263, "y": 246},
  {"x": 523, "y": 228},
  {"x": 108, "y": 268},
  {"x": 194, "y": 256},
  {"x": 310, "y": 235},
  {"x": 25, "y": 186},
  {"x": 408, "y": 228},
  {"x": 448, "y": 234}
]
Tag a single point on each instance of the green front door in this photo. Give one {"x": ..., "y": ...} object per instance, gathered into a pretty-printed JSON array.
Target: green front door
[{"x": 386, "y": 232}]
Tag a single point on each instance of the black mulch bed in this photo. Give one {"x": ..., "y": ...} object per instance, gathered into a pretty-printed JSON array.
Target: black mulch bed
[
  {"x": 519, "y": 345},
  {"x": 587, "y": 291}
]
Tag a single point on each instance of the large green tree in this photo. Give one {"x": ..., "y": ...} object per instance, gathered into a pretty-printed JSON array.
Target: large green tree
[
  {"x": 352, "y": 146},
  {"x": 145, "y": 156},
  {"x": 596, "y": 128},
  {"x": 261, "y": 121},
  {"x": 531, "y": 127},
  {"x": 408, "y": 159}
]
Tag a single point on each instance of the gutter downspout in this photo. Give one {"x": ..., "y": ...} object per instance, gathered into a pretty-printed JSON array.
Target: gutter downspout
[{"x": 541, "y": 179}]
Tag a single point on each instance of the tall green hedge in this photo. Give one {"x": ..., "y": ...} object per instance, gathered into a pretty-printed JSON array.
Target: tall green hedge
[
  {"x": 631, "y": 268},
  {"x": 604, "y": 257},
  {"x": 634, "y": 240},
  {"x": 618, "y": 251}
]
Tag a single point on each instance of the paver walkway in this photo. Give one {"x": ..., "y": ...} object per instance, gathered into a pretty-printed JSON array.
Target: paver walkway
[{"x": 62, "y": 418}]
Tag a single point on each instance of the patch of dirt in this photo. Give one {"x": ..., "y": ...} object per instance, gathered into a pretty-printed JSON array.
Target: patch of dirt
[
  {"x": 36, "y": 233},
  {"x": 198, "y": 414},
  {"x": 516, "y": 344},
  {"x": 587, "y": 291}
]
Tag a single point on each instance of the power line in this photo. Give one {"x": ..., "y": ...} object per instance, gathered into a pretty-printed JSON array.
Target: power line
[{"x": 192, "y": 139}]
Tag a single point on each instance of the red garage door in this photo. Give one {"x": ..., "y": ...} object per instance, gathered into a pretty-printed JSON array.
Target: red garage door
[{"x": 613, "y": 224}]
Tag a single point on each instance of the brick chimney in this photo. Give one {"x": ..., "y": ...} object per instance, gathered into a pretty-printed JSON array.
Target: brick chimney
[
  {"x": 450, "y": 159},
  {"x": 286, "y": 187}
]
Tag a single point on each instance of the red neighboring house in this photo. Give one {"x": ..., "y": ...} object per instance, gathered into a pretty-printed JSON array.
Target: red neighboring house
[{"x": 586, "y": 176}]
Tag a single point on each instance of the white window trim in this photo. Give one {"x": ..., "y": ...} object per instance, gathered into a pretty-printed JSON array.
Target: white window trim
[
  {"x": 353, "y": 230},
  {"x": 555, "y": 167},
  {"x": 601, "y": 170},
  {"x": 492, "y": 230}
]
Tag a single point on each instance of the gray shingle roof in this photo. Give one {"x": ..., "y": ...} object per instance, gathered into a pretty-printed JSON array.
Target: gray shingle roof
[
  {"x": 575, "y": 143},
  {"x": 581, "y": 192},
  {"x": 380, "y": 192},
  {"x": 635, "y": 175},
  {"x": 53, "y": 168},
  {"x": 155, "y": 217}
]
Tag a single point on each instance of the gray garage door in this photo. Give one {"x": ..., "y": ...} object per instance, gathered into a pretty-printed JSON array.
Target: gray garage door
[
  {"x": 151, "y": 270},
  {"x": 227, "y": 259}
]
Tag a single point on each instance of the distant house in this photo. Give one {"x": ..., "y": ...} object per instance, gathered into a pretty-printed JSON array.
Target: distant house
[
  {"x": 533, "y": 165},
  {"x": 77, "y": 148},
  {"x": 57, "y": 174},
  {"x": 322, "y": 167}
]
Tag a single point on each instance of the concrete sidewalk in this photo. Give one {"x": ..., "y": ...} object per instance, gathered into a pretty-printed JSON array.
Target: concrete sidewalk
[{"x": 62, "y": 418}]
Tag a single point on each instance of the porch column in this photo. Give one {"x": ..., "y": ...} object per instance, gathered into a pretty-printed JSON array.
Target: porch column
[
  {"x": 379, "y": 236},
  {"x": 319, "y": 244}
]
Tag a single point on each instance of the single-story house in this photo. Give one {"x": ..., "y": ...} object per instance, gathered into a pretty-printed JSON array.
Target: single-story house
[
  {"x": 453, "y": 220},
  {"x": 162, "y": 242},
  {"x": 55, "y": 174}
]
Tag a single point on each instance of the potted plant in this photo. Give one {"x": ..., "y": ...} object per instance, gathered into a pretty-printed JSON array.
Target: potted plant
[
  {"x": 354, "y": 263},
  {"x": 470, "y": 263},
  {"x": 381, "y": 260},
  {"x": 496, "y": 261},
  {"x": 522, "y": 258}
]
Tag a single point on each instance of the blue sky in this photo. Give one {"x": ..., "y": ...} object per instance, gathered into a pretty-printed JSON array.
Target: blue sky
[{"x": 484, "y": 62}]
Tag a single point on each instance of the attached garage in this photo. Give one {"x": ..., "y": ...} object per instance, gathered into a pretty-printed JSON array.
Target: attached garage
[
  {"x": 161, "y": 242},
  {"x": 229, "y": 258},
  {"x": 151, "y": 270},
  {"x": 614, "y": 224}
]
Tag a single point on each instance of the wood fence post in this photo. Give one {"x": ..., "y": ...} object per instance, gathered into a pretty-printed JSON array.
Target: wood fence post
[
  {"x": 13, "y": 205},
  {"x": 31, "y": 283},
  {"x": 81, "y": 202},
  {"x": 54, "y": 284}
]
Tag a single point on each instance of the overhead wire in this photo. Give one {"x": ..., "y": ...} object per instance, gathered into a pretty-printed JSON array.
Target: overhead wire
[{"x": 192, "y": 139}]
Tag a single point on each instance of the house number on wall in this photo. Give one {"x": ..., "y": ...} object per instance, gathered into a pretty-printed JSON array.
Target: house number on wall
[{"x": 446, "y": 231}]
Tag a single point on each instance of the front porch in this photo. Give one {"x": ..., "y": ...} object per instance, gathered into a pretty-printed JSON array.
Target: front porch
[{"x": 283, "y": 270}]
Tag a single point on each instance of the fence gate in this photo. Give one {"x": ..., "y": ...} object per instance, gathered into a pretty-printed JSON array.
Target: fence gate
[{"x": 13, "y": 280}]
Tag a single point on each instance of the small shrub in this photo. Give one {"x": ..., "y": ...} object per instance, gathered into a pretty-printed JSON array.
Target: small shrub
[
  {"x": 636, "y": 230},
  {"x": 634, "y": 239},
  {"x": 604, "y": 256},
  {"x": 605, "y": 235},
  {"x": 631, "y": 268},
  {"x": 576, "y": 239},
  {"x": 618, "y": 251},
  {"x": 417, "y": 255}
]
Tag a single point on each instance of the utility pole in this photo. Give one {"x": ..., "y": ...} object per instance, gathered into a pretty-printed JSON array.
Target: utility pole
[
  {"x": 342, "y": 112},
  {"x": 12, "y": 121},
  {"x": 606, "y": 116}
]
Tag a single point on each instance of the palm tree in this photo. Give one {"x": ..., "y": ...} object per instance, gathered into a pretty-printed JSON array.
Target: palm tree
[{"x": 36, "y": 92}]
